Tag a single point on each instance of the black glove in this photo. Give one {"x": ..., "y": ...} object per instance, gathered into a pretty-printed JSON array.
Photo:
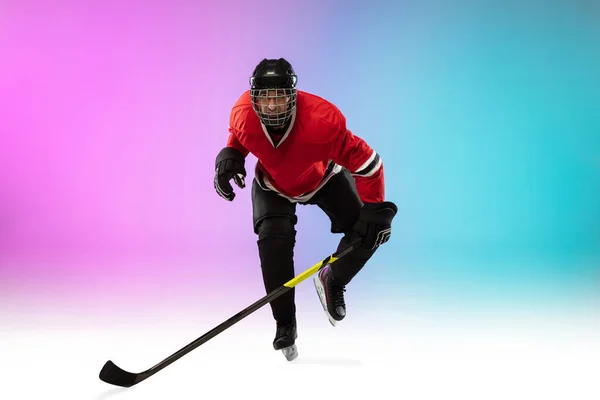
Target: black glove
[
  {"x": 229, "y": 165},
  {"x": 374, "y": 223}
]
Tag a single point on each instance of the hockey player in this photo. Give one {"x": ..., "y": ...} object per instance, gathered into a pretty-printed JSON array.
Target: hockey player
[{"x": 305, "y": 155}]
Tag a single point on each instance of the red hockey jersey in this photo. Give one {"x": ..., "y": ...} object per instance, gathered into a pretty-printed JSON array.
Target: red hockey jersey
[{"x": 315, "y": 147}]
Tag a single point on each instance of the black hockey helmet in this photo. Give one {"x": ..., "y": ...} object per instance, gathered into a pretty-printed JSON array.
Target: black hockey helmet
[{"x": 273, "y": 91}]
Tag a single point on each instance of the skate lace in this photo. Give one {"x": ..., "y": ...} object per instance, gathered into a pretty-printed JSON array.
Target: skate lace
[{"x": 337, "y": 294}]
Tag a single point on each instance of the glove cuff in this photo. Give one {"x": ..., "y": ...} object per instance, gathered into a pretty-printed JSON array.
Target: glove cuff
[
  {"x": 230, "y": 153},
  {"x": 380, "y": 206},
  {"x": 380, "y": 213}
]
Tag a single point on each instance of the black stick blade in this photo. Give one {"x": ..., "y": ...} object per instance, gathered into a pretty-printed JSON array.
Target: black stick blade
[{"x": 114, "y": 375}]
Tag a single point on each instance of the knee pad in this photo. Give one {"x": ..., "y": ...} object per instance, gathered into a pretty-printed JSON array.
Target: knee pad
[
  {"x": 276, "y": 241},
  {"x": 282, "y": 227}
]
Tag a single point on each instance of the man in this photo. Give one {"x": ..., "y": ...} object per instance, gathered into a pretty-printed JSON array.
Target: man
[{"x": 306, "y": 155}]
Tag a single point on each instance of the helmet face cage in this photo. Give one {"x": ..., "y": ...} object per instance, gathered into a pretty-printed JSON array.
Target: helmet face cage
[
  {"x": 273, "y": 92},
  {"x": 274, "y": 106}
]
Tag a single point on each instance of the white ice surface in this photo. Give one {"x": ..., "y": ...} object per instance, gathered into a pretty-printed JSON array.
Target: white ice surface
[{"x": 413, "y": 357}]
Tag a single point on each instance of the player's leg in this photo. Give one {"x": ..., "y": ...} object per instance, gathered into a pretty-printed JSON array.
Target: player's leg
[
  {"x": 274, "y": 221},
  {"x": 339, "y": 199}
]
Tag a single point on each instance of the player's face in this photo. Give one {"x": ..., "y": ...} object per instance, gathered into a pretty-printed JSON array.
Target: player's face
[
  {"x": 273, "y": 102},
  {"x": 274, "y": 106}
]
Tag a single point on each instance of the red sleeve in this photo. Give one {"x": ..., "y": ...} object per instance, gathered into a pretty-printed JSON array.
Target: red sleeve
[
  {"x": 233, "y": 140},
  {"x": 365, "y": 165}
]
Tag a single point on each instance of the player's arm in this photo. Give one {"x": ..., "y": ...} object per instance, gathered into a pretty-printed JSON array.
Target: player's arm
[
  {"x": 230, "y": 163},
  {"x": 234, "y": 143},
  {"x": 374, "y": 224},
  {"x": 363, "y": 162}
]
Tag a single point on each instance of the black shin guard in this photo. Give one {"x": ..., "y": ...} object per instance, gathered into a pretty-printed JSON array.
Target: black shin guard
[
  {"x": 347, "y": 267},
  {"x": 276, "y": 250}
]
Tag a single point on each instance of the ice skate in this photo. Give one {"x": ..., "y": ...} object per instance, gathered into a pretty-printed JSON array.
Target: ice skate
[
  {"x": 285, "y": 340},
  {"x": 290, "y": 352},
  {"x": 331, "y": 295}
]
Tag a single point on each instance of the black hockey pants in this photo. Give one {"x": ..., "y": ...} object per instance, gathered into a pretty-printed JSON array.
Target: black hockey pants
[{"x": 274, "y": 220}]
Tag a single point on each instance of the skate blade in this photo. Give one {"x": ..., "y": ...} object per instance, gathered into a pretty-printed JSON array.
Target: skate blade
[
  {"x": 321, "y": 293},
  {"x": 290, "y": 352}
]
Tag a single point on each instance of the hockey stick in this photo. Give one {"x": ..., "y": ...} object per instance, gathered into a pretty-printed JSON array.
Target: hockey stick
[{"x": 114, "y": 375}]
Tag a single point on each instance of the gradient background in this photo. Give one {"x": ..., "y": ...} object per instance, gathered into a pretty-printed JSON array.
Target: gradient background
[
  {"x": 485, "y": 114},
  {"x": 114, "y": 245}
]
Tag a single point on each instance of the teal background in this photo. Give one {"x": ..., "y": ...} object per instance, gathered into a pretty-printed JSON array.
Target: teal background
[{"x": 486, "y": 116}]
